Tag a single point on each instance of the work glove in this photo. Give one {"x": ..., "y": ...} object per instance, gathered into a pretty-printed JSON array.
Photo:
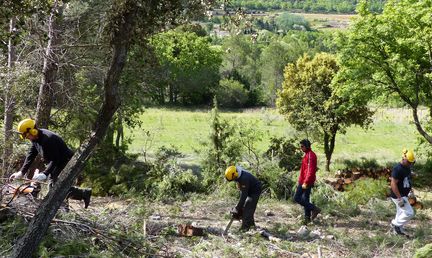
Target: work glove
[
  {"x": 16, "y": 175},
  {"x": 236, "y": 213},
  {"x": 401, "y": 202},
  {"x": 39, "y": 176},
  {"x": 304, "y": 186}
]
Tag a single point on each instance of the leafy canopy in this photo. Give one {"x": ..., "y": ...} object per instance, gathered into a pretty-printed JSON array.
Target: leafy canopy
[{"x": 391, "y": 53}]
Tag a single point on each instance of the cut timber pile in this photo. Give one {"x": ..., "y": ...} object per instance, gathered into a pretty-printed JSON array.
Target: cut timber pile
[{"x": 346, "y": 177}]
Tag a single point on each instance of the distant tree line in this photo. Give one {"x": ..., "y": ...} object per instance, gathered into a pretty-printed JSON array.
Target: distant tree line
[{"x": 323, "y": 6}]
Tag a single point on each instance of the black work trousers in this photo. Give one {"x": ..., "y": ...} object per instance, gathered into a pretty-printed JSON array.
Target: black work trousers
[{"x": 249, "y": 211}]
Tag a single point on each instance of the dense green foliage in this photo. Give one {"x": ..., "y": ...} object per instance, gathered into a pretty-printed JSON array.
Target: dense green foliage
[
  {"x": 286, "y": 152},
  {"x": 389, "y": 54},
  {"x": 310, "y": 101},
  {"x": 186, "y": 69},
  {"x": 340, "y": 6}
]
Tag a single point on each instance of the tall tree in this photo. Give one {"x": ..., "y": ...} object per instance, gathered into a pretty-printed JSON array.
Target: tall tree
[
  {"x": 9, "y": 101},
  {"x": 13, "y": 14},
  {"x": 127, "y": 19},
  {"x": 190, "y": 64},
  {"x": 310, "y": 101},
  {"x": 391, "y": 53},
  {"x": 50, "y": 65}
]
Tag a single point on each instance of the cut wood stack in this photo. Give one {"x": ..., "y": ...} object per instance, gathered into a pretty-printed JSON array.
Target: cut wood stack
[{"x": 345, "y": 177}]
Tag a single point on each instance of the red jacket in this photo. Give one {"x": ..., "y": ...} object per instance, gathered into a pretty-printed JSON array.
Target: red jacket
[{"x": 308, "y": 168}]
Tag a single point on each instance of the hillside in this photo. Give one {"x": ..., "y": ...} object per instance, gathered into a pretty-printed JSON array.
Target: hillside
[{"x": 136, "y": 227}]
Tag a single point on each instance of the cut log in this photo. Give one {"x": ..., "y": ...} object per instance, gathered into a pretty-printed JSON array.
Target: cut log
[{"x": 189, "y": 230}]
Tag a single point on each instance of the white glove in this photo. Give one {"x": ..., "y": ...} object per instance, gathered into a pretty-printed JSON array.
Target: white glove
[
  {"x": 16, "y": 175},
  {"x": 39, "y": 177},
  {"x": 401, "y": 202}
]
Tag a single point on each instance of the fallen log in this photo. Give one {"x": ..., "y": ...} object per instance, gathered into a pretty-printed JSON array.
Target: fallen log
[{"x": 189, "y": 230}]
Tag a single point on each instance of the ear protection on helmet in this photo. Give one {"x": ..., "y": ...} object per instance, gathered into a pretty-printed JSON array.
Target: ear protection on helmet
[{"x": 33, "y": 131}]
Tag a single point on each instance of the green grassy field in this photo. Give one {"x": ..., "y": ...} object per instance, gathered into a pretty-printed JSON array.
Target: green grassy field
[
  {"x": 324, "y": 21},
  {"x": 391, "y": 131}
]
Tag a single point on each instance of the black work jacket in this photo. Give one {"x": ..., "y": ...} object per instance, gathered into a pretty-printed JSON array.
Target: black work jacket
[
  {"x": 53, "y": 150},
  {"x": 249, "y": 185}
]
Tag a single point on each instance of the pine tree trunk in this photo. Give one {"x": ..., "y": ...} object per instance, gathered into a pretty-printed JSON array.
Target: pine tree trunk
[
  {"x": 9, "y": 100},
  {"x": 26, "y": 246},
  {"x": 50, "y": 67}
]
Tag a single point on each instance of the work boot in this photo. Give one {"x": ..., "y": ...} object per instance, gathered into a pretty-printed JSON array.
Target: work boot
[
  {"x": 315, "y": 212},
  {"x": 398, "y": 230},
  {"x": 80, "y": 194},
  {"x": 86, "y": 197},
  {"x": 306, "y": 221}
]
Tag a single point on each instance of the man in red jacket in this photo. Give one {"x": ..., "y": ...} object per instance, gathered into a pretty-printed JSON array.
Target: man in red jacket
[{"x": 306, "y": 181}]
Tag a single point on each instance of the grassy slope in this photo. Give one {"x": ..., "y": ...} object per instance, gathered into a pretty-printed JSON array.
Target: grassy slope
[{"x": 185, "y": 129}]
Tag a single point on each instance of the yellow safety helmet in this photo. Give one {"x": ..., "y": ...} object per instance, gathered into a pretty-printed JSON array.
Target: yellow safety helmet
[
  {"x": 231, "y": 173},
  {"x": 27, "y": 126},
  {"x": 408, "y": 155}
]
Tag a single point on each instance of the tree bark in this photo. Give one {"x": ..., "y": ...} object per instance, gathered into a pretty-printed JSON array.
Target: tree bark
[
  {"x": 419, "y": 127},
  {"x": 50, "y": 67},
  {"x": 329, "y": 144},
  {"x": 38, "y": 227},
  {"x": 9, "y": 100},
  {"x": 119, "y": 130}
]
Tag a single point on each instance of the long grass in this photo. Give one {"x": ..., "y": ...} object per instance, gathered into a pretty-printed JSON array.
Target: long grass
[{"x": 391, "y": 131}]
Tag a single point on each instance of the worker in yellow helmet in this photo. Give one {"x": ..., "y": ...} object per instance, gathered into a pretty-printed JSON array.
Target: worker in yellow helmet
[
  {"x": 54, "y": 152},
  {"x": 401, "y": 183},
  {"x": 250, "y": 191}
]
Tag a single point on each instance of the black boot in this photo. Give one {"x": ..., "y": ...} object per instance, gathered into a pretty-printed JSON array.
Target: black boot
[
  {"x": 80, "y": 194},
  {"x": 86, "y": 196}
]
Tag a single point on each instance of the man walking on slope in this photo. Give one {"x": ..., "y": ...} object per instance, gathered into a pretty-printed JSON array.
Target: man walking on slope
[
  {"x": 306, "y": 182},
  {"x": 54, "y": 151},
  {"x": 250, "y": 188},
  {"x": 400, "y": 188}
]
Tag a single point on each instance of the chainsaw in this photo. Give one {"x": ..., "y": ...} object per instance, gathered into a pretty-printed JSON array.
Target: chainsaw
[{"x": 234, "y": 215}]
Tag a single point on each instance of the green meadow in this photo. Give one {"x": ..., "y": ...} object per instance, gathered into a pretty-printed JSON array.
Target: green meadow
[{"x": 187, "y": 129}]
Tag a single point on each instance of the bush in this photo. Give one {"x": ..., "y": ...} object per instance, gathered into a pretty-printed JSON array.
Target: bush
[
  {"x": 277, "y": 181},
  {"x": 286, "y": 152},
  {"x": 424, "y": 252},
  {"x": 288, "y": 21},
  {"x": 361, "y": 191},
  {"x": 177, "y": 184},
  {"x": 347, "y": 203},
  {"x": 232, "y": 94},
  {"x": 166, "y": 179}
]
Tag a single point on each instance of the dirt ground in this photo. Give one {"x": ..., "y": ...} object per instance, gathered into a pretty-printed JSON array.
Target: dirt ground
[
  {"x": 366, "y": 235},
  {"x": 279, "y": 231}
]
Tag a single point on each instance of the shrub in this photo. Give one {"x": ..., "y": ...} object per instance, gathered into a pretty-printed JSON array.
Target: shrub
[
  {"x": 288, "y": 21},
  {"x": 347, "y": 203},
  {"x": 277, "y": 181},
  {"x": 424, "y": 252},
  {"x": 288, "y": 155},
  {"x": 232, "y": 94},
  {"x": 361, "y": 191},
  {"x": 166, "y": 179},
  {"x": 176, "y": 184}
]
